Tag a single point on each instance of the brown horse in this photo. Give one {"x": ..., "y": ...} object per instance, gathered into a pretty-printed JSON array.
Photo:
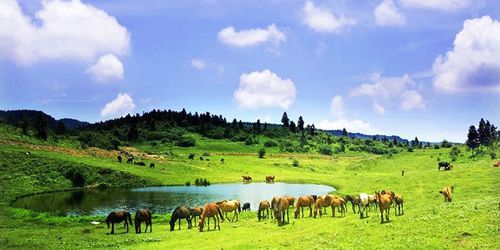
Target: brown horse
[
  {"x": 280, "y": 209},
  {"x": 303, "y": 201},
  {"x": 263, "y": 206},
  {"x": 270, "y": 178},
  {"x": 339, "y": 203},
  {"x": 446, "y": 192},
  {"x": 274, "y": 203},
  {"x": 228, "y": 207},
  {"x": 210, "y": 210},
  {"x": 246, "y": 178},
  {"x": 372, "y": 201},
  {"x": 354, "y": 201},
  {"x": 196, "y": 212},
  {"x": 143, "y": 215},
  {"x": 323, "y": 201},
  {"x": 384, "y": 204},
  {"x": 398, "y": 199},
  {"x": 291, "y": 200},
  {"x": 117, "y": 217},
  {"x": 181, "y": 212}
]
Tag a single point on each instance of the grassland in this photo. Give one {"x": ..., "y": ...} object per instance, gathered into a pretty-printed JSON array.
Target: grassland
[{"x": 471, "y": 221}]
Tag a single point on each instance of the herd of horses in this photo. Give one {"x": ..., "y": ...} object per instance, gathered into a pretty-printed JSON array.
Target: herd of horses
[{"x": 277, "y": 209}]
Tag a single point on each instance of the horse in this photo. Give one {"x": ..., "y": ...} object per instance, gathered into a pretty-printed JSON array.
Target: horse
[
  {"x": 222, "y": 160},
  {"x": 263, "y": 206},
  {"x": 140, "y": 216},
  {"x": 445, "y": 165},
  {"x": 130, "y": 160},
  {"x": 228, "y": 207},
  {"x": 372, "y": 201},
  {"x": 196, "y": 212},
  {"x": 384, "y": 204},
  {"x": 363, "y": 204},
  {"x": 280, "y": 209},
  {"x": 303, "y": 201},
  {"x": 398, "y": 199},
  {"x": 119, "y": 157},
  {"x": 314, "y": 197},
  {"x": 446, "y": 192},
  {"x": 270, "y": 178},
  {"x": 210, "y": 210},
  {"x": 322, "y": 201},
  {"x": 246, "y": 178},
  {"x": 181, "y": 212},
  {"x": 246, "y": 206},
  {"x": 117, "y": 217},
  {"x": 354, "y": 201},
  {"x": 151, "y": 165},
  {"x": 339, "y": 203},
  {"x": 497, "y": 164},
  {"x": 291, "y": 200},
  {"x": 390, "y": 193},
  {"x": 274, "y": 203}
]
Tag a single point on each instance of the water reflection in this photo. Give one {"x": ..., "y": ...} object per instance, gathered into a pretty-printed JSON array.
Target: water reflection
[{"x": 159, "y": 199}]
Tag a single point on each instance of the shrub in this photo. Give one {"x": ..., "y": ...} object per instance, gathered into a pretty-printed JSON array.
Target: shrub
[
  {"x": 295, "y": 163},
  {"x": 454, "y": 153},
  {"x": 493, "y": 155},
  {"x": 410, "y": 149},
  {"x": 191, "y": 156},
  {"x": 154, "y": 144},
  {"x": 436, "y": 146},
  {"x": 188, "y": 183},
  {"x": 251, "y": 141},
  {"x": 201, "y": 182},
  {"x": 325, "y": 150},
  {"x": 186, "y": 142},
  {"x": 262, "y": 152},
  {"x": 76, "y": 178},
  {"x": 270, "y": 144}
]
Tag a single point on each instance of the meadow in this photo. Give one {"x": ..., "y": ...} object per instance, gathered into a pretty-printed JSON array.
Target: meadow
[{"x": 470, "y": 221}]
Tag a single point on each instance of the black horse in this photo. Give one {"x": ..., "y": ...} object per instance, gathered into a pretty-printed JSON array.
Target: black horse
[
  {"x": 246, "y": 206},
  {"x": 179, "y": 213},
  {"x": 117, "y": 217}
]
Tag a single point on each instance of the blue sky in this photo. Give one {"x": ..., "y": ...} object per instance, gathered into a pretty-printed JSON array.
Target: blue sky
[{"x": 412, "y": 68}]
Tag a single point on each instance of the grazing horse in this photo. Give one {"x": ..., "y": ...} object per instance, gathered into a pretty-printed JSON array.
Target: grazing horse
[
  {"x": 363, "y": 204},
  {"x": 130, "y": 160},
  {"x": 196, "y": 212},
  {"x": 117, "y": 217},
  {"x": 398, "y": 199},
  {"x": 291, "y": 200},
  {"x": 445, "y": 165},
  {"x": 339, "y": 203},
  {"x": 228, "y": 207},
  {"x": 446, "y": 192},
  {"x": 384, "y": 204},
  {"x": 246, "y": 178},
  {"x": 303, "y": 201},
  {"x": 390, "y": 193},
  {"x": 246, "y": 206},
  {"x": 143, "y": 215},
  {"x": 181, "y": 212},
  {"x": 263, "y": 206},
  {"x": 210, "y": 210},
  {"x": 280, "y": 209},
  {"x": 270, "y": 178},
  {"x": 314, "y": 197},
  {"x": 323, "y": 201},
  {"x": 354, "y": 201}
]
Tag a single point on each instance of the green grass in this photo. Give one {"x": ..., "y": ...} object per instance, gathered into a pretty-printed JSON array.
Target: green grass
[{"x": 471, "y": 221}]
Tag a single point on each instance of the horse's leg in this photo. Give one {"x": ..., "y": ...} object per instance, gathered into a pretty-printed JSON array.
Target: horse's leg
[
  {"x": 126, "y": 223},
  {"x": 180, "y": 223},
  {"x": 112, "y": 227},
  {"x": 403, "y": 207}
]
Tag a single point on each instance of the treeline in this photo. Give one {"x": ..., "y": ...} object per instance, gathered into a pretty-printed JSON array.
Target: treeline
[{"x": 484, "y": 138}]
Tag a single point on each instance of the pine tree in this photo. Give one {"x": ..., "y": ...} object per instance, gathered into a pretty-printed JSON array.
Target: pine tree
[
  {"x": 133, "y": 133},
  {"x": 344, "y": 133},
  {"x": 300, "y": 124},
  {"x": 258, "y": 128},
  {"x": 483, "y": 134},
  {"x": 41, "y": 127},
  {"x": 60, "y": 129},
  {"x": 234, "y": 124},
  {"x": 285, "y": 121},
  {"x": 472, "y": 138},
  {"x": 293, "y": 127}
]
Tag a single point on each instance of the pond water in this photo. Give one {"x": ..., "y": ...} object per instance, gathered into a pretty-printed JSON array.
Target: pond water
[{"x": 160, "y": 199}]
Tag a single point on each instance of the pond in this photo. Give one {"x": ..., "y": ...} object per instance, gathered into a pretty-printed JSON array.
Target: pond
[{"x": 160, "y": 199}]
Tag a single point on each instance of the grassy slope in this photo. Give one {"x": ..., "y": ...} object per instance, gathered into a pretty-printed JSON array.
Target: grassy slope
[{"x": 470, "y": 221}]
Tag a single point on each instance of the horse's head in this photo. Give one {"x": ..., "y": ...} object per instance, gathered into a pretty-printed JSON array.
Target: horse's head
[
  {"x": 201, "y": 224},
  {"x": 297, "y": 213},
  {"x": 172, "y": 224}
]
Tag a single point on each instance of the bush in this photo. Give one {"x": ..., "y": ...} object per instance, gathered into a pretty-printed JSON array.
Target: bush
[
  {"x": 493, "y": 155},
  {"x": 191, "y": 156},
  {"x": 410, "y": 149},
  {"x": 188, "y": 183},
  {"x": 186, "y": 142},
  {"x": 251, "y": 141},
  {"x": 262, "y": 152},
  {"x": 154, "y": 144},
  {"x": 76, "y": 178},
  {"x": 201, "y": 182},
  {"x": 270, "y": 144},
  {"x": 295, "y": 163},
  {"x": 454, "y": 153},
  {"x": 325, "y": 150},
  {"x": 436, "y": 146}
]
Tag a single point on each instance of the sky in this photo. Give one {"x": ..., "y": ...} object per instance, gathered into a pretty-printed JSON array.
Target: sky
[{"x": 413, "y": 68}]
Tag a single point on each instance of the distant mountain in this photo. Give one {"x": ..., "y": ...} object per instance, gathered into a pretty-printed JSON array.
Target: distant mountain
[
  {"x": 17, "y": 116},
  {"x": 364, "y": 136}
]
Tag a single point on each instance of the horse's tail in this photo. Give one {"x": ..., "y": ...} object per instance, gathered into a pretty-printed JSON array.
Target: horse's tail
[
  {"x": 129, "y": 218},
  {"x": 220, "y": 213}
]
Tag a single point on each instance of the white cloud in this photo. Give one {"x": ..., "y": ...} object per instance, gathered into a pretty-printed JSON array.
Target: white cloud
[
  {"x": 387, "y": 14},
  {"x": 322, "y": 20},
  {"x": 337, "y": 105},
  {"x": 473, "y": 65},
  {"x": 107, "y": 69},
  {"x": 61, "y": 30},
  {"x": 351, "y": 126},
  {"x": 390, "y": 90},
  {"x": 122, "y": 105},
  {"x": 445, "y": 5},
  {"x": 197, "y": 63},
  {"x": 250, "y": 37},
  {"x": 264, "y": 89}
]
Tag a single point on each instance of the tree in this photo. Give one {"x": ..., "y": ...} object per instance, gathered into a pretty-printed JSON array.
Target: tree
[
  {"x": 483, "y": 132},
  {"x": 133, "y": 133},
  {"x": 234, "y": 124},
  {"x": 257, "y": 127},
  {"x": 345, "y": 134},
  {"x": 285, "y": 121},
  {"x": 300, "y": 124},
  {"x": 445, "y": 144},
  {"x": 293, "y": 127},
  {"x": 60, "y": 129},
  {"x": 41, "y": 126},
  {"x": 415, "y": 143},
  {"x": 240, "y": 124},
  {"x": 264, "y": 128},
  {"x": 472, "y": 138}
]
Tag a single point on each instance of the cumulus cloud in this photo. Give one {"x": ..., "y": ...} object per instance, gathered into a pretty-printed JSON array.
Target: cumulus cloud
[
  {"x": 387, "y": 14},
  {"x": 337, "y": 105},
  {"x": 350, "y": 125},
  {"x": 264, "y": 89},
  {"x": 121, "y": 106},
  {"x": 250, "y": 37},
  {"x": 197, "y": 63},
  {"x": 107, "y": 69},
  {"x": 390, "y": 90},
  {"x": 473, "y": 65},
  {"x": 60, "y": 30},
  {"x": 445, "y": 5},
  {"x": 322, "y": 20}
]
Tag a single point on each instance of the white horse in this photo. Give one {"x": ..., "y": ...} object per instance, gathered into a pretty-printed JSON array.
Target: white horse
[{"x": 363, "y": 204}]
